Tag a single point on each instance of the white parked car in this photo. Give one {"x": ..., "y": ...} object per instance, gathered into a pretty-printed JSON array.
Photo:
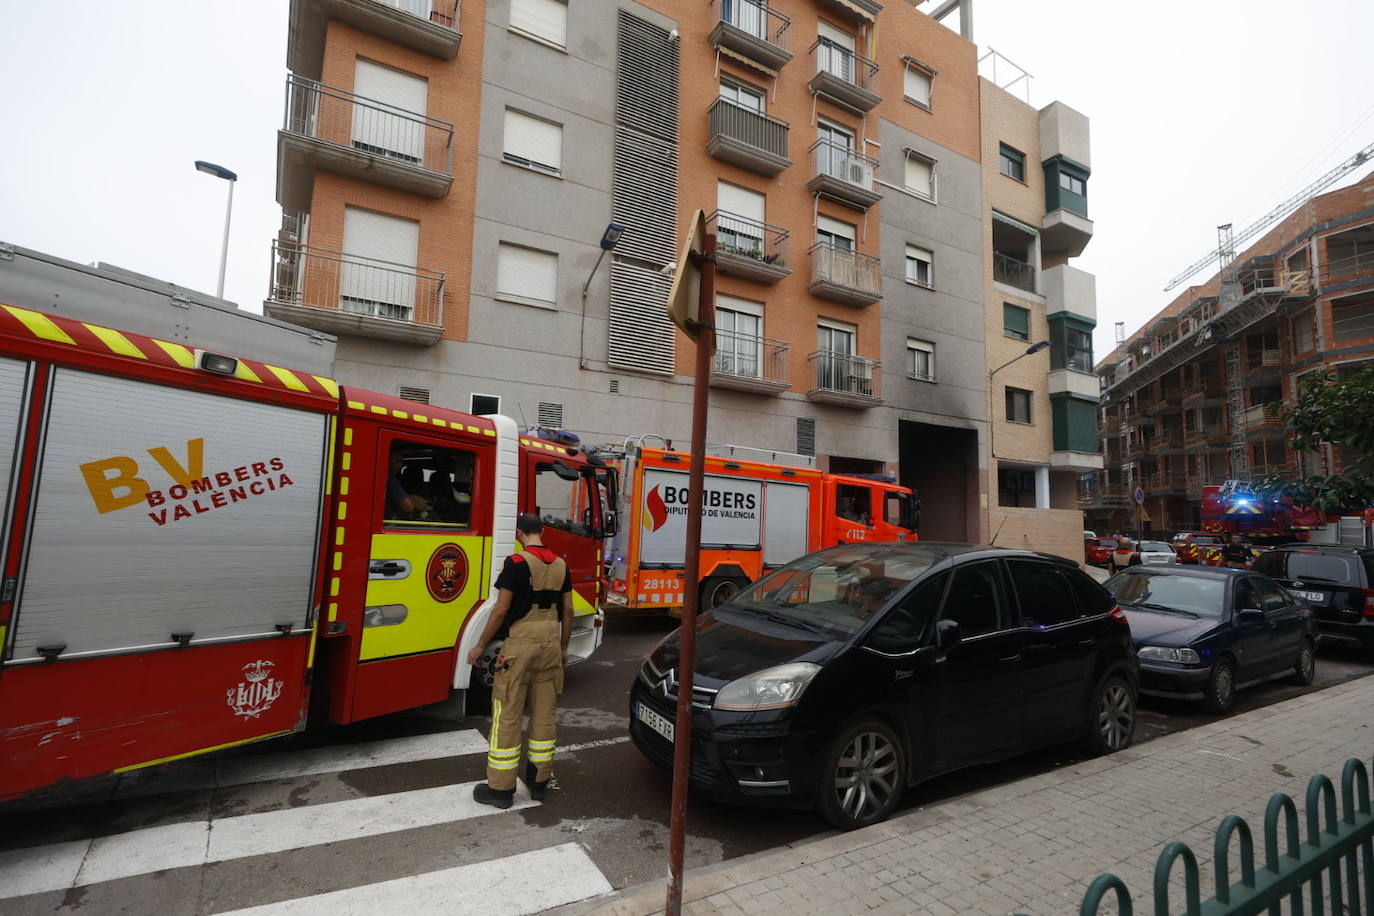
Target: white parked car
[{"x": 1156, "y": 552}]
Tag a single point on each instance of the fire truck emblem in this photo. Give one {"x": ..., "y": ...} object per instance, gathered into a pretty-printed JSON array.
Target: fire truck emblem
[
  {"x": 447, "y": 572},
  {"x": 657, "y": 512},
  {"x": 256, "y": 693}
]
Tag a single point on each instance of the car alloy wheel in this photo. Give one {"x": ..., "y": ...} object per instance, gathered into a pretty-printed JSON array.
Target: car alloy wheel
[
  {"x": 1221, "y": 689},
  {"x": 864, "y": 778},
  {"x": 1305, "y": 669},
  {"x": 1116, "y": 716}
]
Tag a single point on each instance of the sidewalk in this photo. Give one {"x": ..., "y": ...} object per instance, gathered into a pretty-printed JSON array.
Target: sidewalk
[{"x": 1033, "y": 846}]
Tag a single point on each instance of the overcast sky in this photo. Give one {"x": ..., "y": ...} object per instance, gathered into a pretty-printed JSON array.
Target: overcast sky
[{"x": 1201, "y": 114}]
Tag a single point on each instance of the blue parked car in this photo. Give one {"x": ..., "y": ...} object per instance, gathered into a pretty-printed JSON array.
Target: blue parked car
[{"x": 1202, "y": 632}]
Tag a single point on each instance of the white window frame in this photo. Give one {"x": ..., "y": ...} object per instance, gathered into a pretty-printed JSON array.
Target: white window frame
[
  {"x": 914, "y": 346},
  {"x": 742, "y": 88},
  {"x": 737, "y": 349},
  {"x": 834, "y": 228},
  {"x": 528, "y": 20},
  {"x": 505, "y": 250},
  {"x": 517, "y": 158},
  {"x": 930, "y": 193},
  {"x": 928, "y": 73},
  {"x": 918, "y": 255}
]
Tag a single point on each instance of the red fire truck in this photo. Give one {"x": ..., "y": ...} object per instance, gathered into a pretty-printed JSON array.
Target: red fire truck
[
  {"x": 756, "y": 516},
  {"x": 1234, "y": 508},
  {"x": 194, "y": 543}
]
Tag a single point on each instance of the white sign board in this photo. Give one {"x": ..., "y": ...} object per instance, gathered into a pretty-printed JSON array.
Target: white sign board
[{"x": 731, "y": 514}]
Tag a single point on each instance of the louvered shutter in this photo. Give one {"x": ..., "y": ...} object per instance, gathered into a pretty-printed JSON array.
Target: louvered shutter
[
  {"x": 546, "y": 19},
  {"x": 526, "y": 274},
  {"x": 386, "y": 117},
  {"x": 378, "y": 273},
  {"x": 533, "y": 141}
]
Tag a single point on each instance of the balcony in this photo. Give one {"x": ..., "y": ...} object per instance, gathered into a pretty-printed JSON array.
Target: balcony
[
  {"x": 1260, "y": 424},
  {"x": 844, "y": 380},
  {"x": 749, "y": 249},
  {"x": 843, "y": 174},
  {"x": 346, "y": 294},
  {"x": 857, "y": 10},
  {"x": 845, "y": 276},
  {"x": 1199, "y": 394},
  {"x": 749, "y": 139},
  {"x": 1063, "y": 231},
  {"x": 1212, "y": 435},
  {"x": 1164, "y": 440},
  {"x": 1261, "y": 364},
  {"x": 745, "y": 362},
  {"x": 1170, "y": 401},
  {"x": 754, "y": 30},
  {"x": 335, "y": 130},
  {"x": 428, "y": 26},
  {"x": 843, "y": 76},
  {"x": 1013, "y": 272}
]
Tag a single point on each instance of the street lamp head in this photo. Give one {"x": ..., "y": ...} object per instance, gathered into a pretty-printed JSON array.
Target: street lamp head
[
  {"x": 1037, "y": 347},
  {"x": 611, "y": 237},
  {"x": 218, "y": 171}
]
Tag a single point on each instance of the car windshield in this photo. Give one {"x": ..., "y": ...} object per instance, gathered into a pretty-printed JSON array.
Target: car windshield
[
  {"x": 1205, "y": 597},
  {"x": 835, "y": 591},
  {"x": 1156, "y": 547},
  {"x": 1324, "y": 567}
]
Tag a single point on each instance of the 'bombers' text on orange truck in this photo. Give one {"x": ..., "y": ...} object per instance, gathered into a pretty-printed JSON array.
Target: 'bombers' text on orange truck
[
  {"x": 755, "y": 517},
  {"x": 193, "y": 544}
]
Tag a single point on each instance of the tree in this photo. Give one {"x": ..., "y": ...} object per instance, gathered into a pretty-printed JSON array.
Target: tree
[{"x": 1329, "y": 412}]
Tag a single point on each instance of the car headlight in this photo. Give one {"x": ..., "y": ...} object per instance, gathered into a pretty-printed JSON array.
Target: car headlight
[
  {"x": 772, "y": 688},
  {"x": 1167, "y": 654}
]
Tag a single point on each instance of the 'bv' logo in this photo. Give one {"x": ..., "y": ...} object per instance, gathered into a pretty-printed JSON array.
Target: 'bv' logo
[
  {"x": 105, "y": 478},
  {"x": 655, "y": 511}
]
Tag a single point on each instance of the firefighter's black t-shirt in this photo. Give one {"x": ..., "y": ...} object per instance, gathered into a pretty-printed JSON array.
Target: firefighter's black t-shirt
[{"x": 515, "y": 575}]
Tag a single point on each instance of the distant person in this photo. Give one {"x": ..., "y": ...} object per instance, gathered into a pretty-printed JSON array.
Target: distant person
[{"x": 1235, "y": 555}]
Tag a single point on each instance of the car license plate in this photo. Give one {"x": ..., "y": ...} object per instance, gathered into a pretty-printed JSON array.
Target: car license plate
[
  {"x": 654, "y": 721},
  {"x": 1314, "y": 597}
]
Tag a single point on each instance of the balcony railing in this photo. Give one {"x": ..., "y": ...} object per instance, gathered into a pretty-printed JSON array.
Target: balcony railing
[
  {"x": 748, "y": 362},
  {"x": 440, "y": 12},
  {"x": 749, "y": 248},
  {"x": 1008, "y": 270},
  {"x": 1169, "y": 438},
  {"x": 343, "y": 292},
  {"x": 1258, "y": 417},
  {"x": 841, "y": 172},
  {"x": 1202, "y": 435},
  {"x": 843, "y": 378},
  {"x": 748, "y": 138},
  {"x": 1263, "y": 359},
  {"x": 843, "y": 75},
  {"x": 428, "y": 26},
  {"x": 845, "y": 275},
  {"x": 340, "y": 117},
  {"x": 754, "y": 29}
]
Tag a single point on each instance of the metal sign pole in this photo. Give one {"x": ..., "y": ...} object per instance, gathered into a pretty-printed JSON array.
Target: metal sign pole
[{"x": 682, "y": 730}]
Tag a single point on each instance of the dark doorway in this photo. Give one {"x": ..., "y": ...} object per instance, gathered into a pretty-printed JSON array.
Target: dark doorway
[{"x": 941, "y": 464}]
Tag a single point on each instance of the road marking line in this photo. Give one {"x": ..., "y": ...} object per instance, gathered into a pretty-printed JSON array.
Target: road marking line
[
  {"x": 288, "y": 764},
  {"x": 513, "y": 886},
  {"x": 588, "y": 745},
  {"x": 137, "y": 852}
]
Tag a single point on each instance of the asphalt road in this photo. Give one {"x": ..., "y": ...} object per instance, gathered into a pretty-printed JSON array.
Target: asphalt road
[{"x": 610, "y": 799}]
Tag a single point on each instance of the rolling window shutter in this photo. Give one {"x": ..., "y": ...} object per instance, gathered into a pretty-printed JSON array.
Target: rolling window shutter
[
  {"x": 843, "y": 39},
  {"x": 1016, "y": 320},
  {"x": 526, "y": 273},
  {"x": 546, "y": 19},
  {"x": 835, "y": 227},
  {"x": 917, "y": 86},
  {"x": 386, "y": 118},
  {"x": 533, "y": 140},
  {"x": 918, "y": 175},
  {"x": 740, "y": 201}
]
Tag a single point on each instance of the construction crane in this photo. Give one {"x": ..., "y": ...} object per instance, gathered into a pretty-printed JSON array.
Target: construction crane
[{"x": 1276, "y": 214}]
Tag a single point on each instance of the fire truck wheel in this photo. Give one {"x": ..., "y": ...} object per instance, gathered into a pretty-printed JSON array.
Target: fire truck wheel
[{"x": 717, "y": 590}]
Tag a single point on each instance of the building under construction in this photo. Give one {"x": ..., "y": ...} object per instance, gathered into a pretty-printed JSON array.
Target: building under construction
[{"x": 1184, "y": 397}]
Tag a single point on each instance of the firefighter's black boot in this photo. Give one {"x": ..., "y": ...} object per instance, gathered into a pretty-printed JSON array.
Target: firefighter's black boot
[
  {"x": 484, "y": 794},
  {"x": 530, "y": 779}
]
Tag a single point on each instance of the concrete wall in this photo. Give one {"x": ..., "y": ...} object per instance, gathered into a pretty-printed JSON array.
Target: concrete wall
[{"x": 1064, "y": 132}]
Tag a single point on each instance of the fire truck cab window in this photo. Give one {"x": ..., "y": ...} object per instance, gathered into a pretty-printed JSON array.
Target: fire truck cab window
[
  {"x": 853, "y": 503},
  {"x": 561, "y": 496},
  {"x": 428, "y": 486}
]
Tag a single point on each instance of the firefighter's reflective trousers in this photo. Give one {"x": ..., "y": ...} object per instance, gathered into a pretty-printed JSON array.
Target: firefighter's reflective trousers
[{"x": 530, "y": 677}]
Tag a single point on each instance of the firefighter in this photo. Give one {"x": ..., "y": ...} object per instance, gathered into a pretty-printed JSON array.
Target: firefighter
[
  {"x": 533, "y": 613},
  {"x": 1235, "y": 555}
]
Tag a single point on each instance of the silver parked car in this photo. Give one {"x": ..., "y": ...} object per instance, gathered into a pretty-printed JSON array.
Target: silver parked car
[{"x": 1156, "y": 552}]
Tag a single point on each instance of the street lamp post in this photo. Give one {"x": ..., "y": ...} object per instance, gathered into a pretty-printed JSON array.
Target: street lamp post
[
  {"x": 609, "y": 239},
  {"x": 992, "y": 422},
  {"x": 220, "y": 171}
]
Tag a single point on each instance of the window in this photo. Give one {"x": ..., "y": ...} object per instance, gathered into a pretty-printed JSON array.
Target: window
[
  {"x": 1352, "y": 318},
  {"x": 557, "y": 498},
  {"x": 746, "y": 15},
  {"x": 836, "y": 150},
  {"x": 739, "y": 223},
  {"x": 916, "y": 85},
  {"x": 1018, "y": 405},
  {"x": 920, "y": 267},
  {"x": 836, "y": 367},
  {"x": 920, "y": 175},
  {"x": 920, "y": 359},
  {"x": 533, "y": 142},
  {"x": 975, "y": 600},
  {"x": 1303, "y": 332},
  {"x": 1015, "y": 321},
  {"x": 543, "y": 19},
  {"x": 1016, "y": 487},
  {"x": 387, "y": 121},
  {"x": 835, "y": 233},
  {"x": 377, "y": 276},
  {"x": 526, "y": 275},
  {"x": 903, "y": 629},
  {"x": 835, "y": 51},
  {"x": 1273, "y": 598},
  {"x": 1072, "y": 184},
  {"x": 741, "y": 96},
  {"x": 1078, "y": 350},
  {"x": 739, "y": 337},
  {"x": 1247, "y": 597},
  {"x": 854, "y": 503},
  {"x": 1092, "y": 598},
  {"x": 427, "y": 486},
  {"x": 484, "y": 405},
  {"x": 1012, "y": 162},
  {"x": 1046, "y": 598}
]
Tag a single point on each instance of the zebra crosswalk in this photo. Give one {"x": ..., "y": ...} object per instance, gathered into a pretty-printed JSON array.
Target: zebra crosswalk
[{"x": 523, "y": 877}]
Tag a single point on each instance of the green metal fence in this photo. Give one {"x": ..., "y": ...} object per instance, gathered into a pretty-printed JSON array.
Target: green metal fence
[{"x": 1332, "y": 871}]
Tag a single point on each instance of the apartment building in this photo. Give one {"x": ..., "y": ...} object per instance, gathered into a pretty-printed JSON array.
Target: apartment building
[
  {"x": 447, "y": 171},
  {"x": 1039, "y": 315},
  {"x": 1184, "y": 396}
]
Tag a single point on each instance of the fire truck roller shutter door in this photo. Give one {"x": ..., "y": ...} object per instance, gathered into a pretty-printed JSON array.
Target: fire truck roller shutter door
[
  {"x": 161, "y": 510},
  {"x": 732, "y": 509},
  {"x": 14, "y": 376},
  {"x": 787, "y": 508}
]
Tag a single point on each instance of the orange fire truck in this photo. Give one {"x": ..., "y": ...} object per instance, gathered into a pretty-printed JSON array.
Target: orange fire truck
[
  {"x": 756, "y": 516},
  {"x": 194, "y": 543}
]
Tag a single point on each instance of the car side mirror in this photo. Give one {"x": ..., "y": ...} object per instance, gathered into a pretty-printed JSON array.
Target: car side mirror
[
  {"x": 1250, "y": 615},
  {"x": 947, "y": 634}
]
